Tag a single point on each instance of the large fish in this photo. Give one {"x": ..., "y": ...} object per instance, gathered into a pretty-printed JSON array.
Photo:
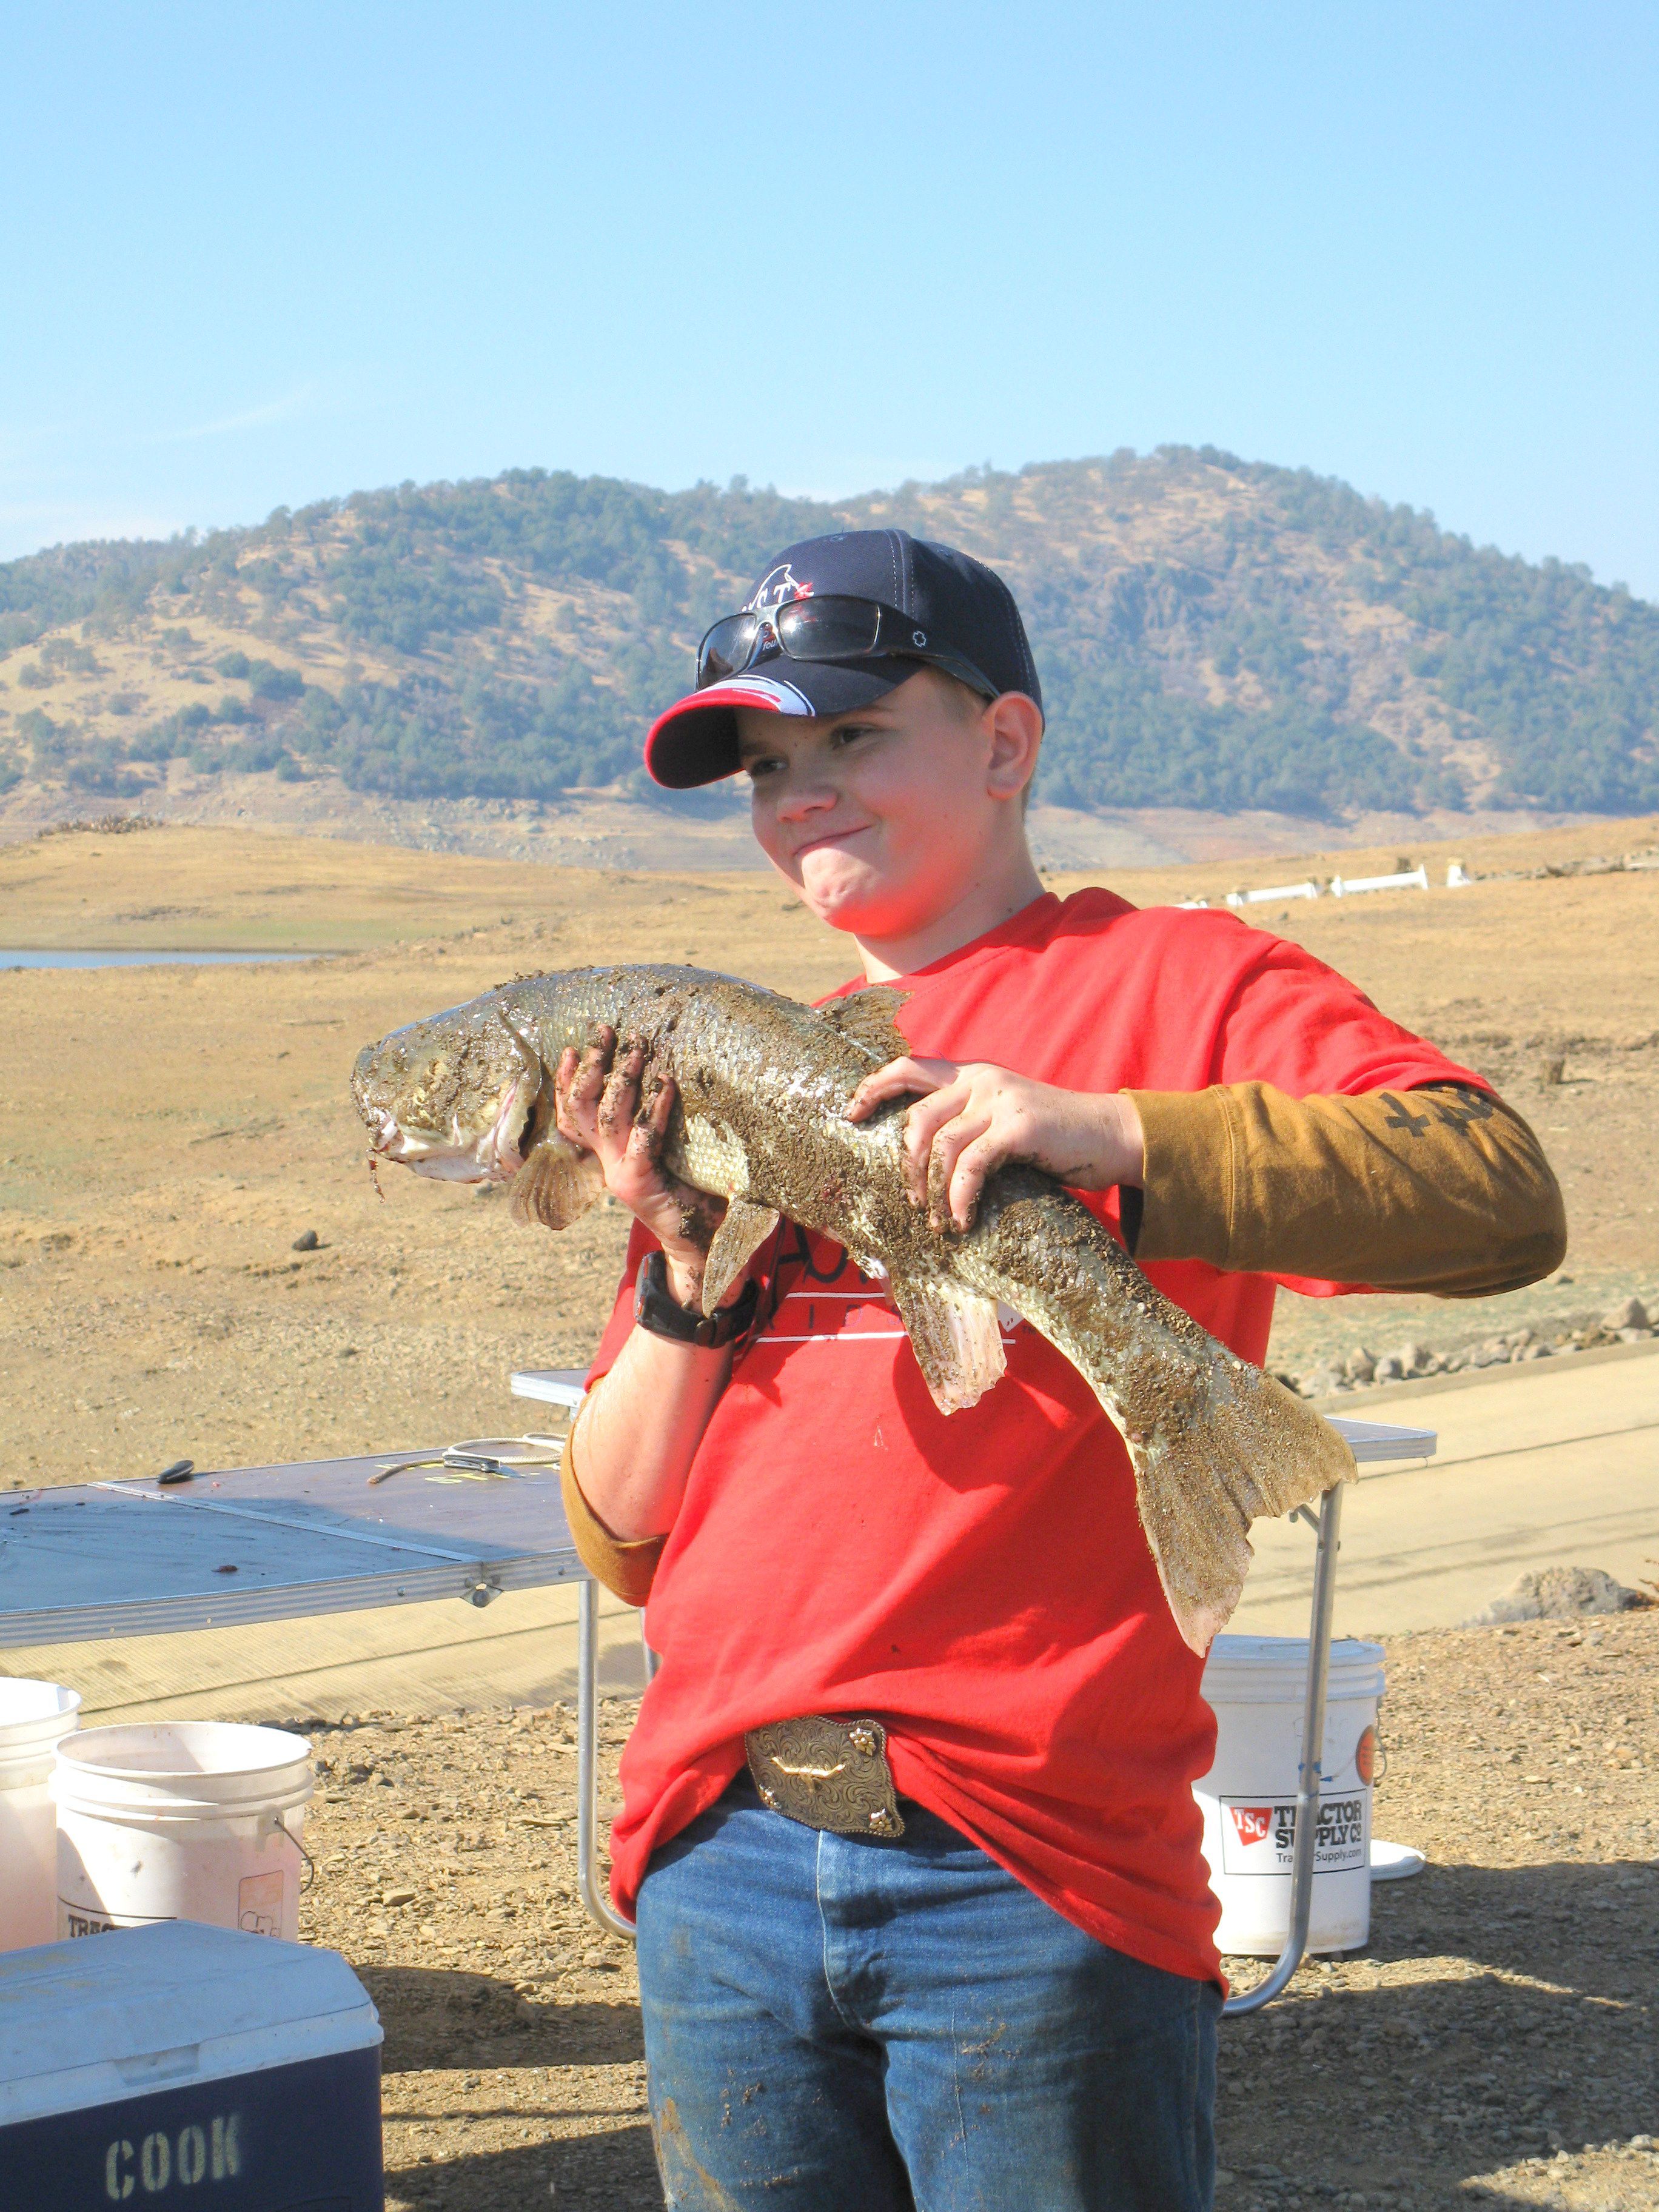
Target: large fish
[{"x": 762, "y": 1083}]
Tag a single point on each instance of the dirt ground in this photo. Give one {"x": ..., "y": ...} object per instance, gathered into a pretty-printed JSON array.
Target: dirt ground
[
  {"x": 1495, "y": 2042},
  {"x": 166, "y": 1133}
]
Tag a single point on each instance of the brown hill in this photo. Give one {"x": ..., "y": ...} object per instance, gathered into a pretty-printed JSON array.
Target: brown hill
[{"x": 1215, "y": 638}]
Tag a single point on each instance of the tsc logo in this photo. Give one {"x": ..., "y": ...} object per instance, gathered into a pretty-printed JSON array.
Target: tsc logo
[
  {"x": 1261, "y": 1838},
  {"x": 778, "y": 587}
]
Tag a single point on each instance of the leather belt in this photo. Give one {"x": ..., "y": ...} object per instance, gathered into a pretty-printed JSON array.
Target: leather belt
[{"x": 825, "y": 1773}]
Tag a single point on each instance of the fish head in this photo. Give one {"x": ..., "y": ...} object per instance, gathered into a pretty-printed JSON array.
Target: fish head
[{"x": 464, "y": 1096}]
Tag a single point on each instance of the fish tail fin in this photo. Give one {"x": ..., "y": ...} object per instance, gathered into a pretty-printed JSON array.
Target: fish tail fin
[{"x": 1204, "y": 1474}]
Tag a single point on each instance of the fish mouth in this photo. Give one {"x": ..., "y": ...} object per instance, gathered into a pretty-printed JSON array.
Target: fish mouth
[{"x": 494, "y": 1153}]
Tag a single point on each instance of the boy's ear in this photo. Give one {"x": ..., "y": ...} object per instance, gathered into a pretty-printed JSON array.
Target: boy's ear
[{"x": 1014, "y": 725}]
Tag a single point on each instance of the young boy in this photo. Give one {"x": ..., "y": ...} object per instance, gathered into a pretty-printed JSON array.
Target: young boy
[{"x": 1012, "y": 1996}]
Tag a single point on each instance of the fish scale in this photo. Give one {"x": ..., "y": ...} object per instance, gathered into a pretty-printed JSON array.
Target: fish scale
[{"x": 759, "y": 1121}]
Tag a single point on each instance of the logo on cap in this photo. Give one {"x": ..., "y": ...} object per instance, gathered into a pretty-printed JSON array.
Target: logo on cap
[{"x": 778, "y": 588}]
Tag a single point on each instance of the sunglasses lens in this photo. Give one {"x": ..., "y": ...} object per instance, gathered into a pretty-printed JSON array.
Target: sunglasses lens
[
  {"x": 725, "y": 649},
  {"x": 831, "y": 629}
]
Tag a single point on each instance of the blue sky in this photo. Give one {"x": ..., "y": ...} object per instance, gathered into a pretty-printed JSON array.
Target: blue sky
[{"x": 253, "y": 256}]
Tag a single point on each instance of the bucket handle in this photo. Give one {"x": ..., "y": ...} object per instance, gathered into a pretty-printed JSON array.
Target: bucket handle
[{"x": 280, "y": 1827}]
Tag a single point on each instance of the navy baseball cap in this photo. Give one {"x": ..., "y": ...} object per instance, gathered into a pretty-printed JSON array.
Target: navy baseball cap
[{"x": 962, "y": 610}]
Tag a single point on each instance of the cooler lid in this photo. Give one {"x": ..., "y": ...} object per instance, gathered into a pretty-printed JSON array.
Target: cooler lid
[{"x": 136, "y": 1990}]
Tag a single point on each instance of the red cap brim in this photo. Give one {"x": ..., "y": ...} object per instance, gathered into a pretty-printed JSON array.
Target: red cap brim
[{"x": 696, "y": 740}]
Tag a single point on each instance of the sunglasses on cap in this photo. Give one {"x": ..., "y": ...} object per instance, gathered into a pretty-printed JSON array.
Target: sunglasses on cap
[{"x": 834, "y": 628}]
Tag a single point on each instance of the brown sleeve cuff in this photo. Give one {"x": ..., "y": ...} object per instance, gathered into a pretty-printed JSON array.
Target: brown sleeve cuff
[
  {"x": 1187, "y": 1186},
  {"x": 627, "y": 1569},
  {"x": 1443, "y": 1189}
]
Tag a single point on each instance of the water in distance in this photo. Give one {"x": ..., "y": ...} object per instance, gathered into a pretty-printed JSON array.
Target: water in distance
[{"x": 138, "y": 959}]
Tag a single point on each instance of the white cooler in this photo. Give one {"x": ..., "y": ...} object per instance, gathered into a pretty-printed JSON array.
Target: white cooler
[{"x": 181, "y": 2065}]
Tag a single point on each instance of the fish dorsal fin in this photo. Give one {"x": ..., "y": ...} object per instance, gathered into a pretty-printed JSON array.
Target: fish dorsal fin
[
  {"x": 869, "y": 1018},
  {"x": 955, "y": 1335},
  {"x": 556, "y": 1184},
  {"x": 737, "y": 1240}
]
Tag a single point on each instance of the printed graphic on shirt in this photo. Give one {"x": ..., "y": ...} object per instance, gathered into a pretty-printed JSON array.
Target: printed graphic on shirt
[
  {"x": 1260, "y": 1839},
  {"x": 830, "y": 1301}
]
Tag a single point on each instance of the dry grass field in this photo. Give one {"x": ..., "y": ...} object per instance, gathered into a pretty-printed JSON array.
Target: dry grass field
[{"x": 165, "y": 1133}]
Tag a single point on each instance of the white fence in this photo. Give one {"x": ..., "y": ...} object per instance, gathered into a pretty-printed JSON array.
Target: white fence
[
  {"x": 1308, "y": 891},
  {"x": 1412, "y": 879},
  {"x": 1405, "y": 879}
]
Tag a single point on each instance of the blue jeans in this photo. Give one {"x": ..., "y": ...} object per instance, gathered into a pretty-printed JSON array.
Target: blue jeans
[{"x": 835, "y": 2024}]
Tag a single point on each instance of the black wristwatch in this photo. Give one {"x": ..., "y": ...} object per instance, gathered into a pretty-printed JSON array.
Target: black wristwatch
[{"x": 658, "y": 1311}]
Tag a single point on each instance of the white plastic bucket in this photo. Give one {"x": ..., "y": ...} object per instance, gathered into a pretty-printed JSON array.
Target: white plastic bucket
[
  {"x": 190, "y": 1821},
  {"x": 34, "y": 1718},
  {"x": 1256, "y": 1685}
]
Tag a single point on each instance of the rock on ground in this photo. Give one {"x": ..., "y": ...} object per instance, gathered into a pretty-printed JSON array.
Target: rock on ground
[{"x": 1557, "y": 1594}]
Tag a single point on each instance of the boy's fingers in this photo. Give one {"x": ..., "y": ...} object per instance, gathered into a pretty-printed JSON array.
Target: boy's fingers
[
  {"x": 587, "y": 1083},
  {"x": 966, "y": 1130},
  {"x": 621, "y": 1098},
  {"x": 975, "y": 1164},
  {"x": 899, "y": 1078},
  {"x": 570, "y": 1120},
  {"x": 922, "y": 1123}
]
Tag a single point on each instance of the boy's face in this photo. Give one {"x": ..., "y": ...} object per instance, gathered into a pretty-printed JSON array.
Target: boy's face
[{"x": 883, "y": 818}]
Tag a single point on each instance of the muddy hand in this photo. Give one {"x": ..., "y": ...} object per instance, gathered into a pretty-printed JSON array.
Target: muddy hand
[
  {"x": 605, "y": 1102},
  {"x": 970, "y": 1119}
]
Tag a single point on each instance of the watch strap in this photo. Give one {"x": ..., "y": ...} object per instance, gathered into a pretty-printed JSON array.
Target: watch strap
[{"x": 659, "y": 1313}]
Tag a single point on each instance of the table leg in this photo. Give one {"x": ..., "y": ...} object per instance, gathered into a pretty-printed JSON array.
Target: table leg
[
  {"x": 1311, "y": 1772},
  {"x": 601, "y": 1909}
]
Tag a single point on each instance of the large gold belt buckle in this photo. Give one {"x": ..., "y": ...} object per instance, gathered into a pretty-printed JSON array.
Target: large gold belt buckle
[{"x": 826, "y": 1774}]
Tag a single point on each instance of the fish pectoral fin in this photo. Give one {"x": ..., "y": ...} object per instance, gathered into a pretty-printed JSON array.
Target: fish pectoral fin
[
  {"x": 955, "y": 1335},
  {"x": 556, "y": 1184},
  {"x": 737, "y": 1240}
]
